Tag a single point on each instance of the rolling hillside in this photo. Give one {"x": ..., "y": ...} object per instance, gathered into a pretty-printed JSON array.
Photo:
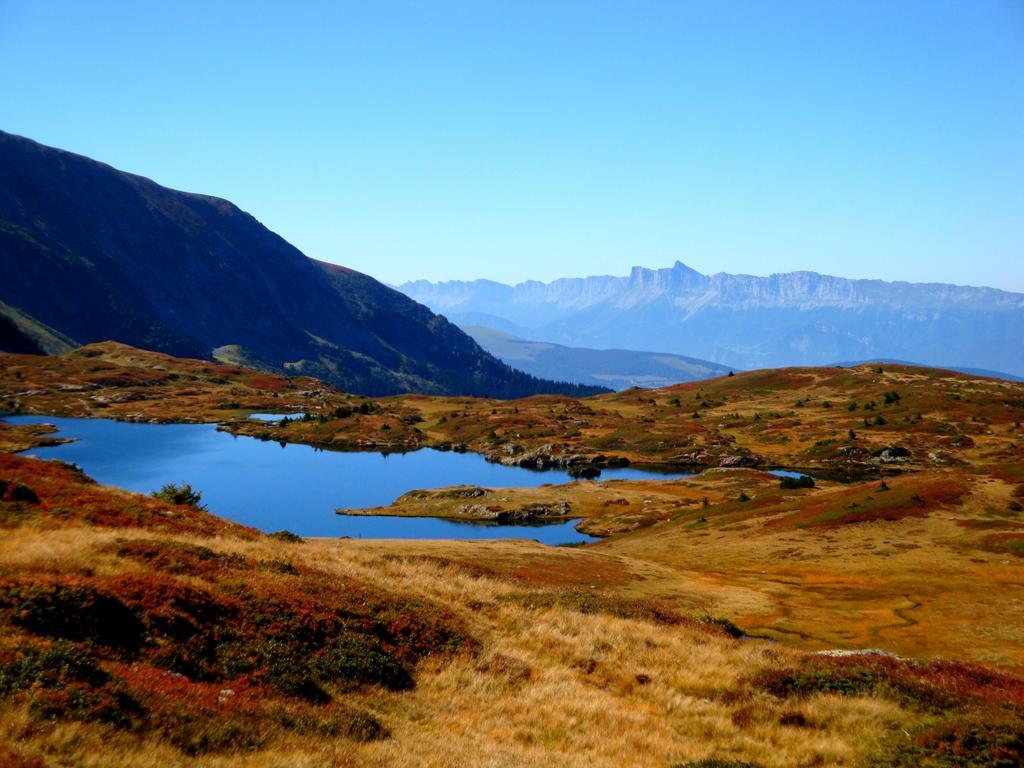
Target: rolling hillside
[{"x": 141, "y": 630}]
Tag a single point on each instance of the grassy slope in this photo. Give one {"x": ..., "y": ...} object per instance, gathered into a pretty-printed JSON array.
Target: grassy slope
[
  {"x": 555, "y": 638},
  {"x": 506, "y": 668}
]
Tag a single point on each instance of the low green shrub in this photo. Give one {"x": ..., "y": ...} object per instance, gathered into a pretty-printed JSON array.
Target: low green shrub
[
  {"x": 355, "y": 660},
  {"x": 179, "y": 494},
  {"x": 958, "y": 743},
  {"x": 63, "y": 681},
  {"x": 196, "y": 733},
  {"x": 53, "y": 667}
]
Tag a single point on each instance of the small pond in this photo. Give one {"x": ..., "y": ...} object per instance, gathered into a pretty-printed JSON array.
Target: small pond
[
  {"x": 275, "y": 416},
  {"x": 298, "y": 487}
]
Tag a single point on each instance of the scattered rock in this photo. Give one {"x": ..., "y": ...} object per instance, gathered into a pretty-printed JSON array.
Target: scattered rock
[
  {"x": 895, "y": 454},
  {"x": 526, "y": 512},
  {"x": 961, "y": 441},
  {"x": 740, "y": 461},
  {"x": 697, "y": 458}
]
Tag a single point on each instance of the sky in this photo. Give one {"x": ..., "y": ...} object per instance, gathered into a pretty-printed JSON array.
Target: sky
[{"x": 539, "y": 139}]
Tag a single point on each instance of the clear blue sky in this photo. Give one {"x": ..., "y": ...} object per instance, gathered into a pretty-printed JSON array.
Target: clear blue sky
[{"x": 539, "y": 139}]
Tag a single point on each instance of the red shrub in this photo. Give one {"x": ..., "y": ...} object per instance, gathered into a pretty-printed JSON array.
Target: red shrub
[
  {"x": 66, "y": 495},
  {"x": 935, "y": 686}
]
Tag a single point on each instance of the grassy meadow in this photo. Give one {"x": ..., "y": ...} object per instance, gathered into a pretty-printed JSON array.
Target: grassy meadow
[{"x": 720, "y": 622}]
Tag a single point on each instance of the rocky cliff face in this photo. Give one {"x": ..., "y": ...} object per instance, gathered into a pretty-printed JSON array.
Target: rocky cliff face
[
  {"x": 95, "y": 254},
  {"x": 799, "y": 318}
]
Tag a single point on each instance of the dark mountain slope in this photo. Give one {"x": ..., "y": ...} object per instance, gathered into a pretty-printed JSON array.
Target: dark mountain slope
[
  {"x": 21, "y": 334},
  {"x": 97, "y": 254}
]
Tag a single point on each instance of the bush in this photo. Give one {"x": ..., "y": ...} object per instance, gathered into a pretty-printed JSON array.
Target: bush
[
  {"x": 179, "y": 494},
  {"x": 287, "y": 536},
  {"x": 198, "y": 733},
  {"x": 178, "y": 557},
  {"x": 959, "y": 743},
  {"x": 351, "y": 724},
  {"x": 723, "y": 625},
  {"x": 73, "y": 611},
  {"x": 63, "y": 681},
  {"x": 291, "y": 674},
  {"x": 937, "y": 686},
  {"x": 803, "y": 481},
  {"x": 357, "y": 660},
  {"x": 361, "y": 726},
  {"x": 16, "y": 492},
  {"x": 53, "y": 667}
]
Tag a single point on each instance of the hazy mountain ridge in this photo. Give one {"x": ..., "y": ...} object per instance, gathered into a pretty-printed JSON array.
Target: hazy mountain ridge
[
  {"x": 96, "y": 254},
  {"x": 797, "y": 318},
  {"x": 616, "y": 368}
]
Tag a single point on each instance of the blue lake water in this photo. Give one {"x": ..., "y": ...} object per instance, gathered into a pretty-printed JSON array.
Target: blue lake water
[
  {"x": 275, "y": 416},
  {"x": 298, "y": 487}
]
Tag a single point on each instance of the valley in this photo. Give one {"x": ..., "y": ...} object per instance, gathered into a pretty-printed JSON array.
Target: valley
[{"x": 908, "y": 540}]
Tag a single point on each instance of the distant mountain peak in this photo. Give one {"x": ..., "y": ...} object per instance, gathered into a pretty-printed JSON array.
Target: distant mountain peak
[
  {"x": 747, "y": 321},
  {"x": 681, "y": 267}
]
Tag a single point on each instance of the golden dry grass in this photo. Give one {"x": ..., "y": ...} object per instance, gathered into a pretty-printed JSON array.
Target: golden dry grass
[
  {"x": 549, "y": 686},
  {"x": 913, "y": 578}
]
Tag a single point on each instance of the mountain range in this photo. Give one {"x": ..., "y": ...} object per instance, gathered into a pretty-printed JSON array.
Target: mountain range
[
  {"x": 615, "y": 368},
  {"x": 742, "y": 321},
  {"x": 89, "y": 253}
]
